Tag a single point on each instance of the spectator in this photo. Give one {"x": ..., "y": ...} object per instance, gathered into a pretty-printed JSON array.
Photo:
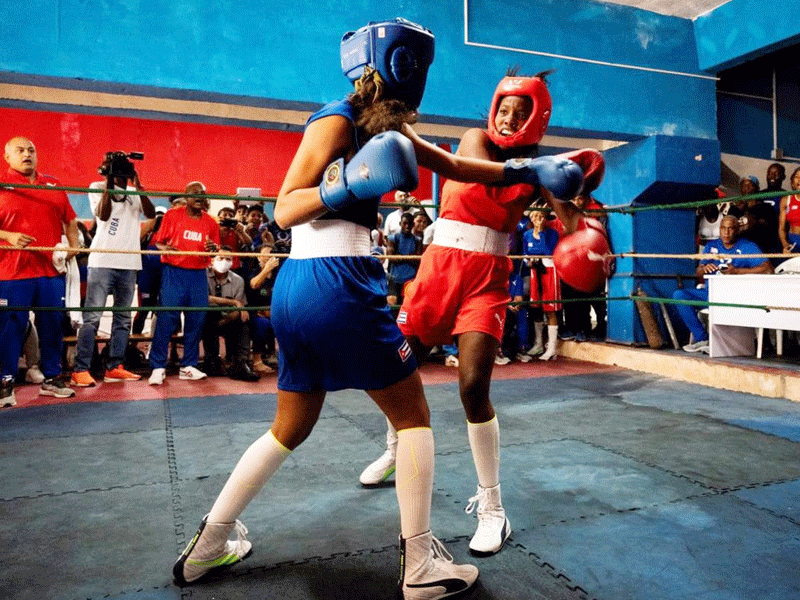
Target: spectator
[
  {"x": 516, "y": 328},
  {"x": 183, "y": 281},
  {"x": 421, "y": 222},
  {"x": 728, "y": 246},
  {"x": 377, "y": 238},
  {"x": 226, "y": 288},
  {"x": 118, "y": 228},
  {"x": 391, "y": 224},
  {"x": 241, "y": 212},
  {"x": 29, "y": 279},
  {"x": 709, "y": 217},
  {"x": 578, "y": 315},
  {"x": 282, "y": 237},
  {"x": 260, "y": 294},
  {"x": 255, "y": 217},
  {"x": 401, "y": 271},
  {"x": 541, "y": 240},
  {"x": 233, "y": 235},
  {"x": 789, "y": 223},
  {"x": 776, "y": 174},
  {"x": 150, "y": 275},
  {"x": 757, "y": 220},
  {"x": 31, "y": 356}
]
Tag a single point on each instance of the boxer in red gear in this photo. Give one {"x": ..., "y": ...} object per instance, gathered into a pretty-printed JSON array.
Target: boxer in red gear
[{"x": 462, "y": 287}]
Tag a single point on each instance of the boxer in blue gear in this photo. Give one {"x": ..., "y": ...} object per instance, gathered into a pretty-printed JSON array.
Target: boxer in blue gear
[{"x": 331, "y": 320}]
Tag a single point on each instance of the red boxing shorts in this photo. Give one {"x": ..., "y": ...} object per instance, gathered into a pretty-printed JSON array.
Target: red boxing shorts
[
  {"x": 456, "y": 291},
  {"x": 546, "y": 288}
]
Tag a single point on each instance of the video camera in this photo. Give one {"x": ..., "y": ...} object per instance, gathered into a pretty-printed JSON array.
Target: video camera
[
  {"x": 118, "y": 164},
  {"x": 230, "y": 223}
]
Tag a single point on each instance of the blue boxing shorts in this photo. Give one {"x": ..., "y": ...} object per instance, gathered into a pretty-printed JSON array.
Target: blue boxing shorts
[{"x": 334, "y": 328}]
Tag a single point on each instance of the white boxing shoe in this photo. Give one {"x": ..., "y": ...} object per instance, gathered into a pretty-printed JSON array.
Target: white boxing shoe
[
  {"x": 493, "y": 526},
  {"x": 427, "y": 570},
  {"x": 382, "y": 468}
]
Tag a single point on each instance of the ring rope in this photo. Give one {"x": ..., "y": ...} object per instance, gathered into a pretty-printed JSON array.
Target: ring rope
[
  {"x": 624, "y": 209},
  {"x": 651, "y": 299},
  {"x": 620, "y": 208},
  {"x": 695, "y": 256}
]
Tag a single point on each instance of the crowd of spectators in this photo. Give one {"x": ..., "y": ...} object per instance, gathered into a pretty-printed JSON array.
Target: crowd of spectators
[
  {"x": 243, "y": 272},
  {"x": 751, "y": 223},
  {"x": 209, "y": 291}
]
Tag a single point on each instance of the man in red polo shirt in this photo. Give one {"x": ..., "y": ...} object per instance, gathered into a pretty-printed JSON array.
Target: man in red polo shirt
[
  {"x": 183, "y": 281},
  {"x": 31, "y": 217}
]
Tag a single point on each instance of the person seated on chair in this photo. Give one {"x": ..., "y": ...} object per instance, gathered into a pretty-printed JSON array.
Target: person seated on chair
[
  {"x": 226, "y": 288},
  {"x": 729, "y": 246}
]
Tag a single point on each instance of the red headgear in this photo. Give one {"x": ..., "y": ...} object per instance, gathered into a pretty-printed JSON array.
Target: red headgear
[{"x": 533, "y": 130}]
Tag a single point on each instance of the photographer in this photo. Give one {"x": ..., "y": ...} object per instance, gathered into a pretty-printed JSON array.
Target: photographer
[
  {"x": 233, "y": 235},
  {"x": 117, "y": 216}
]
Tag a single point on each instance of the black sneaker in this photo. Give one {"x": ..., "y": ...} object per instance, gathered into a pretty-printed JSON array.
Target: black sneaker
[
  {"x": 55, "y": 387},
  {"x": 7, "y": 397}
]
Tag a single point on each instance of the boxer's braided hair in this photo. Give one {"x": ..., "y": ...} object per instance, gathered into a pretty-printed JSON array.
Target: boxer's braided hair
[{"x": 374, "y": 113}]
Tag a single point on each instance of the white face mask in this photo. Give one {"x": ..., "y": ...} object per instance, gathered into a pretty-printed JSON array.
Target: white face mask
[{"x": 222, "y": 265}]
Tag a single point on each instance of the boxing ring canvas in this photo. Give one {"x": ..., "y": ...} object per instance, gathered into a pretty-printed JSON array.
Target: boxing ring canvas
[{"x": 618, "y": 484}]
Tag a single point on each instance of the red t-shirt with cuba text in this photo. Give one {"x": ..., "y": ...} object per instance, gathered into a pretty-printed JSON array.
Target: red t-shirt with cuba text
[
  {"x": 187, "y": 233},
  {"x": 40, "y": 213}
]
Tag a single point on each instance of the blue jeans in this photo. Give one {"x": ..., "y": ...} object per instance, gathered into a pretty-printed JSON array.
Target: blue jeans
[
  {"x": 688, "y": 313},
  {"x": 100, "y": 282},
  {"x": 180, "y": 287},
  {"x": 28, "y": 293}
]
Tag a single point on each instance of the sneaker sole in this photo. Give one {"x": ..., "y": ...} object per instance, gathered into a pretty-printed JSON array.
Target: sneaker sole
[
  {"x": 190, "y": 378},
  {"x": 76, "y": 384},
  {"x": 118, "y": 379},
  {"x": 9, "y": 404},
  {"x": 56, "y": 394}
]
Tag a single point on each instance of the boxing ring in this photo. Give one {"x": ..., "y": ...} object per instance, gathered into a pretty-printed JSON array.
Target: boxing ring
[{"x": 621, "y": 481}]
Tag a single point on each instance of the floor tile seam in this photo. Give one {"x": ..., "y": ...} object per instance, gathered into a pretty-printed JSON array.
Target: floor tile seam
[
  {"x": 179, "y": 526},
  {"x": 552, "y": 571},
  {"x": 122, "y": 593},
  {"x": 769, "y": 511},
  {"x": 711, "y": 493},
  {"x": 635, "y": 459},
  {"x": 752, "y": 484},
  {"x": 111, "y": 488},
  {"x": 67, "y": 436}
]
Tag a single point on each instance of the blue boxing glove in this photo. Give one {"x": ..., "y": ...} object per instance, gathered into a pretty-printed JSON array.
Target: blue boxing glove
[
  {"x": 562, "y": 176},
  {"x": 386, "y": 162}
]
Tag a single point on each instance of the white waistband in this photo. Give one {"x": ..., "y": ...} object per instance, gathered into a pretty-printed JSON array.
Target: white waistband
[
  {"x": 329, "y": 237},
  {"x": 475, "y": 238}
]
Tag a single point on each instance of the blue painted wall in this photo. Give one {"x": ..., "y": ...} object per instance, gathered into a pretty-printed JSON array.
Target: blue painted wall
[
  {"x": 287, "y": 51},
  {"x": 745, "y": 29}
]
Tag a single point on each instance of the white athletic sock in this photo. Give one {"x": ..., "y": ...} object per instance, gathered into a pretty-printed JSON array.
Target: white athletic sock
[
  {"x": 414, "y": 479},
  {"x": 552, "y": 337},
  {"x": 258, "y": 463},
  {"x": 484, "y": 439},
  {"x": 538, "y": 328}
]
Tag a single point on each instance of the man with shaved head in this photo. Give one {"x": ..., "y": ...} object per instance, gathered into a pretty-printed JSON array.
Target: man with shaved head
[{"x": 29, "y": 278}]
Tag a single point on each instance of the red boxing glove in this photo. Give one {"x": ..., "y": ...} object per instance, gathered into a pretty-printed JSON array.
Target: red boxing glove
[
  {"x": 592, "y": 164},
  {"x": 583, "y": 258}
]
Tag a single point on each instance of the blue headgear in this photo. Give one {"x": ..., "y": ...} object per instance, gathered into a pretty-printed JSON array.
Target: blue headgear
[{"x": 399, "y": 50}]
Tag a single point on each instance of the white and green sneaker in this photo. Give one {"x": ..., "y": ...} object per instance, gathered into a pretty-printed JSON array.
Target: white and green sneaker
[{"x": 210, "y": 549}]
